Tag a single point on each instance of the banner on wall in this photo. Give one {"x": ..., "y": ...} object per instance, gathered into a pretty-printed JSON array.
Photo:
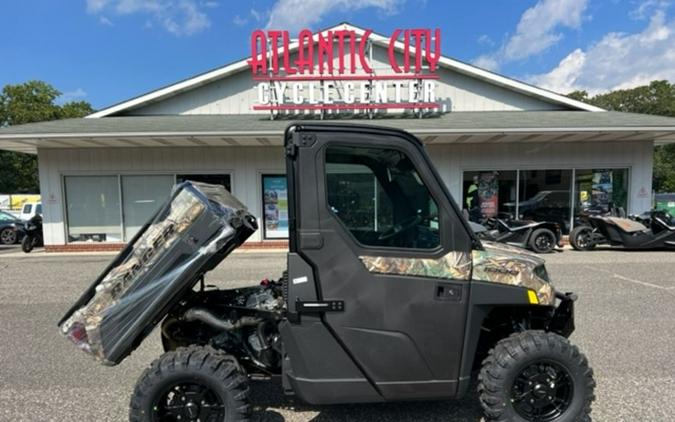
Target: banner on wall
[
  {"x": 488, "y": 194},
  {"x": 275, "y": 207}
]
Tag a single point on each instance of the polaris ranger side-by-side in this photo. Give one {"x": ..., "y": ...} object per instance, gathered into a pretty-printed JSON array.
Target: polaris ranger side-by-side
[{"x": 388, "y": 295}]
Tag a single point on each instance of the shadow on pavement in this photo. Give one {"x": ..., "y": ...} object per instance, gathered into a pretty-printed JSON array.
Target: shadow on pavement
[{"x": 269, "y": 403}]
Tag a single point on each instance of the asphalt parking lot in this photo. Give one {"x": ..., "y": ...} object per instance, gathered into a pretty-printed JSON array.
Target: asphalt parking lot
[{"x": 625, "y": 318}]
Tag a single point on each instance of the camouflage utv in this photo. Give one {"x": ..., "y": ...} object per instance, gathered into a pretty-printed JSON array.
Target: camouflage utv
[{"x": 388, "y": 295}]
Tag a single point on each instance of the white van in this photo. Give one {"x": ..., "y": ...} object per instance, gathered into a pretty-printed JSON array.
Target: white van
[{"x": 30, "y": 209}]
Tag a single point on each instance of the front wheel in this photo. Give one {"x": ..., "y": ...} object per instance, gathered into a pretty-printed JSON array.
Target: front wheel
[
  {"x": 581, "y": 238},
  {"x": 191, "y": 384},
  {"x": 536, "y": 376},
  {"x": 28, "y": 243},
  {"x": 543, "y": 241}
]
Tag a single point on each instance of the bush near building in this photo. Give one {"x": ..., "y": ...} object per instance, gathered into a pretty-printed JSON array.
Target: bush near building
[{"x": 32, "y": 101}]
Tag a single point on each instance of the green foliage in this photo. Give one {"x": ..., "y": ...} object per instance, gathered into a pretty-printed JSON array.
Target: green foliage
[
  {"x": 32, "y": 101},
  {"x": 656, "y": 98}
]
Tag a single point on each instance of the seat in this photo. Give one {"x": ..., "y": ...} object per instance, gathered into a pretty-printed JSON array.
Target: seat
[{"x": 628, "y": 225}]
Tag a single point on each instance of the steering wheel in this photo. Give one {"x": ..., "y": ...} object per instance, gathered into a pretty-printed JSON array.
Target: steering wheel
[{"x": 404, "y": 225}]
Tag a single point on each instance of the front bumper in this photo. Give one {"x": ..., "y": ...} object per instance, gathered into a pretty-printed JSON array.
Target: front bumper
[{"x": 562, "y": 321}]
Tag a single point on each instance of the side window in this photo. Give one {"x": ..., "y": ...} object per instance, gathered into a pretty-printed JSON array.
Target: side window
[{"x": 380, "y": 198}]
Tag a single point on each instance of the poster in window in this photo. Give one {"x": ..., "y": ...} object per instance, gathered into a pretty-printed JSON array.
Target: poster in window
[
  {"x": 275, "y": 205},
  {"x": 602, "y": 188},
  {"x": 488, "y": 193}
]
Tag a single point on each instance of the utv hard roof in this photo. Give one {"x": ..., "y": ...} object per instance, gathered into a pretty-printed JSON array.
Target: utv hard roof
[{"x": 349, "y": 127}]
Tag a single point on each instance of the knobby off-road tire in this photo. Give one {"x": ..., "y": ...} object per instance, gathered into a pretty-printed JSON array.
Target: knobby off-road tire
[
  {"x": 580, "y": 238},
  {"x": 542, "y": 241},
  {"x": 203, "y": 376},
  {"x": 519, "y": 358}
]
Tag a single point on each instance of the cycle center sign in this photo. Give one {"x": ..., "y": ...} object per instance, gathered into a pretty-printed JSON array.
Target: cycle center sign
[{"x": 335, "y": 70}]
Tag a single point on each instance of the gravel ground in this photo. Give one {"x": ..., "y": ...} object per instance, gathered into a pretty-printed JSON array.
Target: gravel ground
[{"x": 625, "y": 316}]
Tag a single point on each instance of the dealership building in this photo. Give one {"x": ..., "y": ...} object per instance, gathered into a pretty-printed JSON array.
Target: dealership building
[{"x": 529, "y": 152}]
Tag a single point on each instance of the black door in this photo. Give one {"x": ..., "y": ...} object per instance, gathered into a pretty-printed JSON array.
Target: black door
[{"x": 372, "y": 218}]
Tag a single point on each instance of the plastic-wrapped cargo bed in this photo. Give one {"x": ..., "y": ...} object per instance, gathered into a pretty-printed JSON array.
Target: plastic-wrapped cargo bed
[{"x": 189, "y": 235}]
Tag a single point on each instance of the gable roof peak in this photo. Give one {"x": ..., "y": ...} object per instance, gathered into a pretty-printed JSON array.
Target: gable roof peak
[{"x": 444, "y": 61}]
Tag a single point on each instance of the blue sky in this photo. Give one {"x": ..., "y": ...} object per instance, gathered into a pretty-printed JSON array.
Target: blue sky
[{"x": 105, "y": 51}]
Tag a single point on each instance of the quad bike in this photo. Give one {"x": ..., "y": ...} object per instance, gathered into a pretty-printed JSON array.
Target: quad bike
[
  {"x": 539, "y": 237},
  {"x": 655, "y": 230},
  {"x": 402, "y": 303}
]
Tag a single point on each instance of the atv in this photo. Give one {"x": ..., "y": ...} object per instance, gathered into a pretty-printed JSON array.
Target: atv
[
  {"x": 539, "y": 237},
  {"x": 388, "y": 295},
  {"x": 654, "y": 230}
]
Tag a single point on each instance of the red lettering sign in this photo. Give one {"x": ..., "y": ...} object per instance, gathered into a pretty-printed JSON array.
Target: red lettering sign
[{"x": 303, "y": 74}]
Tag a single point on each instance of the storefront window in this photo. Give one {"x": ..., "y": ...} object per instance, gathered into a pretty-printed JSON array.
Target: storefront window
[
  {"x": 275, "y": 206},
  {"x": 93, "y": 208},
  {"x": 601, "y": 190},
  {"x": 97, "y": 213},
  {"x": 544, "y": 195},
  {"x": 490, "y": 194},
  {"x": 141, "y": 197}
]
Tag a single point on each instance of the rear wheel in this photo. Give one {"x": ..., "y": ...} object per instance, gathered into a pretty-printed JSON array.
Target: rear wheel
[
  {"x": 191, "y": 384},
  {"x": 536, "y": 376},
  {"x": 8, "y": 236},
  {"x": 581, "y": 238},
  {"x": 542, "y": 241}
]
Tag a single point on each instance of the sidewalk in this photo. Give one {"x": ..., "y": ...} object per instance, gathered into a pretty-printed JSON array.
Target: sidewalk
[{"x": 40, "y": 252}]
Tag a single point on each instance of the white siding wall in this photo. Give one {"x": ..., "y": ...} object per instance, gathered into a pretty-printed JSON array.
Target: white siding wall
[{"x": 246, "y": 164}]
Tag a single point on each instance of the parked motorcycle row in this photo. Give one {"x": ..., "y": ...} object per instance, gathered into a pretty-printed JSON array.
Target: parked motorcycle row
[{"x": 654, "y": 229}]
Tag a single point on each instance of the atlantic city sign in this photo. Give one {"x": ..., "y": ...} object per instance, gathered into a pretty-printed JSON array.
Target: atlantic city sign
[{"x": 335, "y": 70}]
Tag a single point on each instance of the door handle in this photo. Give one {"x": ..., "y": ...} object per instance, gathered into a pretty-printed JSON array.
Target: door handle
[
  {"x": 448, "y": 292},
  {"x": 320, "y": 306}
]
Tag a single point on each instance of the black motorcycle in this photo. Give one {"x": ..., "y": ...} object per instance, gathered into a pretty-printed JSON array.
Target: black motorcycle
[
  {"x": 655, "y": 230},
  {"x": 540, "y": 237},
  {"x": 32, "y": 234}
]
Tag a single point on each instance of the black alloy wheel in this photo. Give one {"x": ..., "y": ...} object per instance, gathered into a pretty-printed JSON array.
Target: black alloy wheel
[
  {"x": 189, "y": 402},
  {"x": 543, "y": 241},
  {"x": 542, "y": 391},
  {"x": 581, "y": 238}
]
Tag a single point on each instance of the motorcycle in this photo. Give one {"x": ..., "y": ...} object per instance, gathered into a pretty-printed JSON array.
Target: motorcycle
[
  {"x": 540, "y": 237},
  {"x": 32, "y": 234},
  {"x": 654, "y": 230}
]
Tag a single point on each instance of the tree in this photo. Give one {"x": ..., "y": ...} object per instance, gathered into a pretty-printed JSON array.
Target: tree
[
  {"x": 32, "y": 101},
  {"x": 656, "y": 98}
]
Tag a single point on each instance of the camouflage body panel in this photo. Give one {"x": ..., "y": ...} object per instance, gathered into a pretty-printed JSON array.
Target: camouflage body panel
[
  {"x": 454, "y": 266},
  {"x": 504, "y": 264},
  {"x": 497, "y": 263}
]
